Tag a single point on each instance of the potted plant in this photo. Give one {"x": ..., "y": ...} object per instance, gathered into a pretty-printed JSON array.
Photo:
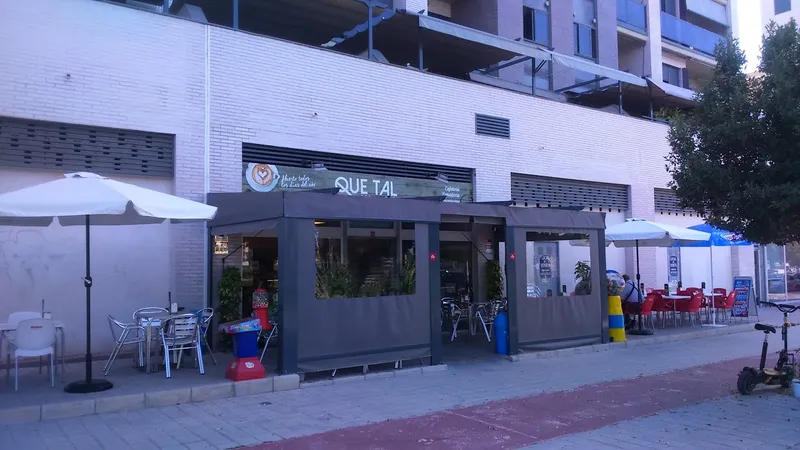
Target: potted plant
[
  {"x": 494, "y": 280},
  {"x": 229, "y": 290},
  {"x": 583, "y": 276},
  {"x": 334, "y": 279}
]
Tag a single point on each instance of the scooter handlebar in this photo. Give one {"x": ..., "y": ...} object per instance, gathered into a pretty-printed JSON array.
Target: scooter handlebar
[{"x": 783, "y": 307}]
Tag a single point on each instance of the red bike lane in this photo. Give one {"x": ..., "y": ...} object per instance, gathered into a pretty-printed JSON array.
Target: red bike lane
[{"x": 518, "y": 422}]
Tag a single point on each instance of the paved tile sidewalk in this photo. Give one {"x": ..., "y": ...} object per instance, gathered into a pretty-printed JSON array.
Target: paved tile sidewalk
[
  {"x": 515, "y": 422},
  {"x": 766, "y": 421},
  {"x": 251, "y": 420}
]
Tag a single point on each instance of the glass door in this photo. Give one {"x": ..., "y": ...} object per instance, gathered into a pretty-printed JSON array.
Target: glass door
[{"x": 775, "y": 265}]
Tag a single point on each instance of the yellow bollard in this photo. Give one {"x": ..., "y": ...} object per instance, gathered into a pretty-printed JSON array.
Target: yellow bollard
[{"x": 616, "y": 320}]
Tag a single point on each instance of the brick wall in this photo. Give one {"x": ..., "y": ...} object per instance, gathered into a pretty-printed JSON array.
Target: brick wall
[
  {"x": 141, "y": 70},
  {"x": 94, "y": 63}
]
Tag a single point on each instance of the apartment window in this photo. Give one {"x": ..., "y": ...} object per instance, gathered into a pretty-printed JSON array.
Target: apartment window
[
  {"x": 536, "y": 25},
  {"x": 670, "y": 7},
  {"x": 585, "y": 41},
  {"x": 782, "y": 6},
  {"x": 672, "y": 74}
]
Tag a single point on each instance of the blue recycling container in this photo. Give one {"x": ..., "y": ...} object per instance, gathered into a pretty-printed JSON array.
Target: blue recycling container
[{"x": 501, "y": 333}]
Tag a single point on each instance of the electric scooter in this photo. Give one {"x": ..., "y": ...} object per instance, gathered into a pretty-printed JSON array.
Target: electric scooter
[{"x": 785, "y": 368}]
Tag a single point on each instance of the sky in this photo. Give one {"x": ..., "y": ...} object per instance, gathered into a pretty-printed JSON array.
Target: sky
[{"x": 749, "y": 31}]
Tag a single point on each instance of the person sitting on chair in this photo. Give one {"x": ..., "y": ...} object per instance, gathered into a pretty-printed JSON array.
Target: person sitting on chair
[{"x": 632, "y": 299}]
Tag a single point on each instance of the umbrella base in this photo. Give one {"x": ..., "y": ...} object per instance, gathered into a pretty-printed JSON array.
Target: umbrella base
[
  {"x": 82, "y": 387},
  {"x": 637, "y": 332}
]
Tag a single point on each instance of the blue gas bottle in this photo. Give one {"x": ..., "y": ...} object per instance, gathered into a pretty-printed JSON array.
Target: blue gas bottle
[{"x": 501, "y": 333}]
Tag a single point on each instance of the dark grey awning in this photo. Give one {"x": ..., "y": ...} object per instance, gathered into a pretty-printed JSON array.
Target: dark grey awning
[{"x": 242, "y": 212}]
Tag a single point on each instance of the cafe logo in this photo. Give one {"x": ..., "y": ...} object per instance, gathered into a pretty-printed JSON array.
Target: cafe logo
[{"x": 262, "y": 177}]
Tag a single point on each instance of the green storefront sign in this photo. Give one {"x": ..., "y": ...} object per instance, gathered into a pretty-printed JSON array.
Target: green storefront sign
[{"x": 269, "y": 177}]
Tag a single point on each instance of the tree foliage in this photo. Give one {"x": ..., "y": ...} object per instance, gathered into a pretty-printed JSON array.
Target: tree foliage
[{"x": 736, "y": 157}]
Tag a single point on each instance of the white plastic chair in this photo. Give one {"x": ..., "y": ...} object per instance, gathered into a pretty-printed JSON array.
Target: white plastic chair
[
  {"x": 179, "y": 333},
  {"x": 130, "y": 334},
  {"x": 34, "y": 338},
  {"x": 14, "y": 319}
]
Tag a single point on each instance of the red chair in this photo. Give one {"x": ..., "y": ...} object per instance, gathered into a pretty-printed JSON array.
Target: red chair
[
  {"x": 728, "y": 306},
  {"x": 721, "y": 304},
  {"x": 647, "y": 310},
  {"x": 691, "y": 307},
  {"x": 661, "y": 306},
  {"x": 722, "y": 291}
]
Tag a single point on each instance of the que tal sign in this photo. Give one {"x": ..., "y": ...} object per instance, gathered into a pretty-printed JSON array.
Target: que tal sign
[
  {"x": 365, "y": 186},
  {"x": 269, "y": 177}
]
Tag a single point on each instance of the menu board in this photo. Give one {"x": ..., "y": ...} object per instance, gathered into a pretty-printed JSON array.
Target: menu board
[{"x": 744, "y": 291}]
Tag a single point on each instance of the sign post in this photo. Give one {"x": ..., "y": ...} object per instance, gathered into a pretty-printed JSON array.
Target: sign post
[{"x": 743, "y": 286}]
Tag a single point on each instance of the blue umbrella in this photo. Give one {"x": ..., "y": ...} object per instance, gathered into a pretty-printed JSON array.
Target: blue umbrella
[{"x": 719, "y": 238}]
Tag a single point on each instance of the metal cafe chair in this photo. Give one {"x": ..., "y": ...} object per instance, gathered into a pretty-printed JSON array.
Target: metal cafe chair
[
  {"x": 129, "y": 334},
  {"x": 488, "y": 313},
  {"x": 206, "y": 315},
  {"x": 180, "y": 333},
  {"x": 452, "y": 312}
]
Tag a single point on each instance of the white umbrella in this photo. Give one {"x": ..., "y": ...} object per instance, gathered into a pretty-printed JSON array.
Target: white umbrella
[
  {"x": 87, "y": 199},
  {"x": 640, "y": 232}
]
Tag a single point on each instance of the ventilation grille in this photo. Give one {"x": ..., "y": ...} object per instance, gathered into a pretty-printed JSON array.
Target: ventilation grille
[
  {"x": 667, "y": 201},
  {"x": 529, "y": 190},
  {"x": 66, "y": 147},
  {"x": 492, "y": 126},
  {"x": 252, "y": 153}
]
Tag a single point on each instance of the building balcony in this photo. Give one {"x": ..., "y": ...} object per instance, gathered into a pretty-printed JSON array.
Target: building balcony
[
  {"x": 688, "y": 35},
  {"x": 632, "y": 15}
]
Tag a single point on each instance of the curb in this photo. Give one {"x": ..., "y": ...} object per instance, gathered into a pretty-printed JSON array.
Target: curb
[
  {"x": 180, "y": 396},
  {"x": 639, "y": 342}
]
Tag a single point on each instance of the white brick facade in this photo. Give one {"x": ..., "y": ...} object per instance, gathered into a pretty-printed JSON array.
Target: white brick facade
[{"x": 215, "y": 88}]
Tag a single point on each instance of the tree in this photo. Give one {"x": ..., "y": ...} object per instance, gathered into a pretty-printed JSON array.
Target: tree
[{"x": 735, "y": 158}]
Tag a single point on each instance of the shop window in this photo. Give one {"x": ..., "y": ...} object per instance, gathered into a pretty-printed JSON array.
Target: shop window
[
  {"x": 782, "y": 6},
  {"x": 536, "y": 25},
  {"x": 557, "y": 265},
  {"x": 585, "y": 41},
  {"x": 370, "y": 259}
]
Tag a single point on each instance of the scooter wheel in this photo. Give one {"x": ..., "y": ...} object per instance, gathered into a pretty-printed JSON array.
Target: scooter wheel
[
  {"x": 786, "y": 378},
  {"x": 748, "y": 379}
]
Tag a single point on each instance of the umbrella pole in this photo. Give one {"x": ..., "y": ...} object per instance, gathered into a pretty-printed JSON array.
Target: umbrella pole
[
  {"x": 88, "y": 384},
  {"x": 640, "y": 331}
]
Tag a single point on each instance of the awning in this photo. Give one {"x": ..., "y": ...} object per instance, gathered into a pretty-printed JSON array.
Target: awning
[
  {"x": 481, "y": 37},
  {"x": 596, "y": 69},
  {"x": 670, "y": 90}
]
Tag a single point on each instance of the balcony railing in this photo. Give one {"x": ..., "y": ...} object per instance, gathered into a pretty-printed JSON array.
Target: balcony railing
[
  {"x": 632, "y": 15},
  {"x": 689, "y": 35}
]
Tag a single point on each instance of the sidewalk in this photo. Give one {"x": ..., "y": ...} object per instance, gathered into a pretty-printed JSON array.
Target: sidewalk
[
  {"x": 323, "y": 407},
  {"x": 522, "y": 421},
  {"x": 766, "y": 421}
]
